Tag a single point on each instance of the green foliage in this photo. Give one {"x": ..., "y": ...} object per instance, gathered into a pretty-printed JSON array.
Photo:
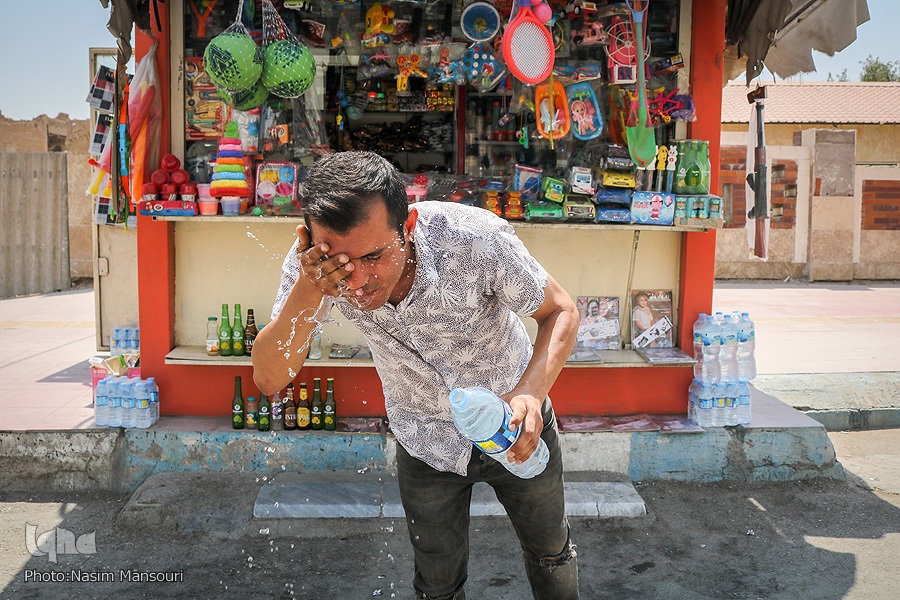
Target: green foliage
[{"x": 874, "y": 69}]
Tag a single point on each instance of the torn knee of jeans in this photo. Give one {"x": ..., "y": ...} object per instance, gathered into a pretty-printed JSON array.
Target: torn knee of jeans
[{"x": 558, "y": 560}]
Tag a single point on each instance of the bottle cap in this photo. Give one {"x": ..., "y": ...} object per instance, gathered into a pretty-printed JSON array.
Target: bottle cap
[
  {"x": 170, "y": 162},
  {"x": 149, "y": 188}
]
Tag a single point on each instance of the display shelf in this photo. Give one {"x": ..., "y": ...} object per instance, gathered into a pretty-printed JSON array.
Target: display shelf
[
  {"x": 515, "y": 224},
  {"x": 197, "y": 356}
]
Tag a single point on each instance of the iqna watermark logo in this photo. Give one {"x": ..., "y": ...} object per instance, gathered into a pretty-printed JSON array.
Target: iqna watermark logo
[{"x": 58, "y": 541}]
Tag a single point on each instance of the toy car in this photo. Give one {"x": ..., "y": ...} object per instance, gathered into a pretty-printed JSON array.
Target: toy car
[
  {"x": 578, "y": 8},
  {"x": 579, "y": 208},
  {"x": 590, "y": 35},
  {"x": 622, "y": 179}
]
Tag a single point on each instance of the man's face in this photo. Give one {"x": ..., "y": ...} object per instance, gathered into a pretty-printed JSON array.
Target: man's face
[{"x": 380, "y": 257}]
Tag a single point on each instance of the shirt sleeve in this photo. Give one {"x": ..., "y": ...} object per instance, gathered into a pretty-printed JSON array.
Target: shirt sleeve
[
  {"x": 513, "y": 275},
  {"x": 290, "y": 271}
]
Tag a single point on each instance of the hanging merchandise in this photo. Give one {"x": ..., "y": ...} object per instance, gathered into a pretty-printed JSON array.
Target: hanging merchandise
[
  {"x": 246, "y": 99},
  {"x": 144, "y": 121},
  {"x": 621, "y": 51},
  {"x": 553, "y": 120},
  {"x": 379, "y": 26},
  {"x": 638, "y": 129},
  {"x": 483, "y": 70},
  {"x": 758, "y": 217},
  {"x": 232, "y": 59},
  {"x": 480, "y": 22},
  {"x": 528, "y": 45},
  {"x": 288, "y": 65},
  {"x": 587, "y": 119}
]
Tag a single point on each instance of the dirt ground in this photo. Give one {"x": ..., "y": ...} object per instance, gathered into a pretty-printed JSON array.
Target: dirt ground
[{"x": 795, "y": 540}]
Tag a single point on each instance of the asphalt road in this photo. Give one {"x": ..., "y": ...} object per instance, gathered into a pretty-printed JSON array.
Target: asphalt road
[{"x": 793, "y": 540}]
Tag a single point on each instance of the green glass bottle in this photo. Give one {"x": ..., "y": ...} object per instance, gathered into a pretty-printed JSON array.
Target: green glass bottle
[
  {"x": 225, "y": 333},
  {"x": 315, "y": 421},
  {"x": 264, "y": 420},
  {"x": 330, "y": 414},
  {"x": 237, "y": 333},
  {"x": 237, "y": 406}
]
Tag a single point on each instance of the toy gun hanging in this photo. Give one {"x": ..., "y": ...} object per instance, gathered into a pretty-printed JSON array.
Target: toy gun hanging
[{"x": 757, "y": 179}]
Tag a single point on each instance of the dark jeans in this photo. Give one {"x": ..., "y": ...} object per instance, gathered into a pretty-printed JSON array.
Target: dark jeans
[{"x": 437, "y": 515}]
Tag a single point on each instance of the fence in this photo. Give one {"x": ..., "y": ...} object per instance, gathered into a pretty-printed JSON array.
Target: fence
[{"x": 34, "y": 244}]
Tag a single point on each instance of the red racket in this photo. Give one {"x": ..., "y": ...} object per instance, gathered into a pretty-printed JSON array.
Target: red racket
[{"x": 528, "y": 46}]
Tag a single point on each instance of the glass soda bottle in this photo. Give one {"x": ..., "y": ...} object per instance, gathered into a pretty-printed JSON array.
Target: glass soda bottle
[
  {"x": 237, "y": 406},
  {"x": 237, "y": 333},
  {"x": 212, "y": 336},
  {"x": 225, "y": 333},
  {"x": 330, "y": 409},
  {"x": 251, "y": 412},
  {"x": 315, "y": 421},
  {"x": 264, "y": 419},
  {"x": 303, "y": 413}
]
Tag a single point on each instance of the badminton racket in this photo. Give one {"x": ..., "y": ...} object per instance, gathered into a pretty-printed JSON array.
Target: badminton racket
[{"x": 528, "y": 46}]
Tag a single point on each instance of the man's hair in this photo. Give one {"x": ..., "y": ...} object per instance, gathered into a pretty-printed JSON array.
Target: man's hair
[{"x": 340, "y": 188}]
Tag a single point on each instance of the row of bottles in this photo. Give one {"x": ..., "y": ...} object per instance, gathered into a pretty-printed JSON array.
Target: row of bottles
[
  {"x": 124, "y": 340},
  {"x": 126, "y": 402},
  {"x": 231, "y": 339},
  {"x": 724, "y": 348},
  {"x": 289, "y": 414}
]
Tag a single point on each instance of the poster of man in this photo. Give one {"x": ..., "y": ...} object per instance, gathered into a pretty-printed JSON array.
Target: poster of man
[{"x": 598, "y": 328}]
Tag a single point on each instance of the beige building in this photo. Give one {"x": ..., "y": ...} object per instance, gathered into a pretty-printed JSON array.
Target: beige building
[
  {"x": 72, "y": 136},
  {"x": 834, "y": 172}
]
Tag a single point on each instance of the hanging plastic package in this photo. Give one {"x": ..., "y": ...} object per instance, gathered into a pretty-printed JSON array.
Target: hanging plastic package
[{"x": 144, "y": 121}]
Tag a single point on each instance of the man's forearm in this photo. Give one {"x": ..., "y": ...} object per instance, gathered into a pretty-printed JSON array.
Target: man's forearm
[
  {"x": 281, "y": 347},
  {"x": 552, "y": 346}
]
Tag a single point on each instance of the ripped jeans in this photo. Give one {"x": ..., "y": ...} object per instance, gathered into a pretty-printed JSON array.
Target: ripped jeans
[{"x": 437, "y": 516}]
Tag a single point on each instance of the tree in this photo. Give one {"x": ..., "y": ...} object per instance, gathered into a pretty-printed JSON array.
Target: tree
[{"x": 874, "y": 69}]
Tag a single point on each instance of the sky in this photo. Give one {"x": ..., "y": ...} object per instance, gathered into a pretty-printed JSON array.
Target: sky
[{"x": 44, "y": 53}]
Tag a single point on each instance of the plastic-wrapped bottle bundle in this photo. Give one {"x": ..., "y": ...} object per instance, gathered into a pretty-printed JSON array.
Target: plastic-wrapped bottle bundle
[{"x": 483, "y": 417}]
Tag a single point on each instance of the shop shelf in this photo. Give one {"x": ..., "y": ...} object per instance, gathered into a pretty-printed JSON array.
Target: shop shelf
[
  {"x": 515, "y": 224},
  {"x": 197, "y": 356}
]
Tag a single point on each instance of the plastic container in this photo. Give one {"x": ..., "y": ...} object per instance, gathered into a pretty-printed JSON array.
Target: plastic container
[
  {"x": 746, "y": 348},
  {"x": 129, "y": 409},
  {"x": 743, "y": 403},
  {"x": 208, "y": 206},
  {"x": 709, "y": 358},
  {"x": 231, "y": 206},
  {"x": 153, "y": 390},
  {"x": 203, "y": 191},
  {"x": 142, "y": 405},
  {"x": 483, "y": 417},
  {"x": 728, "y": 361},
  {"x": 114, "y": 396}
]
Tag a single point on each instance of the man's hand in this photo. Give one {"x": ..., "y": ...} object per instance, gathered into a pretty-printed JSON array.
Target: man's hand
[
  {"x": 526, "y": 413},
  {"x": 327, "y": 273}
]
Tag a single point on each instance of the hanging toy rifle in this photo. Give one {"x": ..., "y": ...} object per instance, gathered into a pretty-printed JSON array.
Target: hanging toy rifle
[{"x": 757, "y": 179}]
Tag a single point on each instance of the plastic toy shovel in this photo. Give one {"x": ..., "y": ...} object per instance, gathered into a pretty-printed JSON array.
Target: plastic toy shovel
[{"x": 638, "y": 130}]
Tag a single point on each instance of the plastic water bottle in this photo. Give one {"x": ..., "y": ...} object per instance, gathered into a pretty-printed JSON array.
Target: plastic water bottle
[
  {"x": 101, "y": 404},
  {"x": 712, "y": 343},
  {"x": 153, "y": 390},
  {"x": 693, "y": 399},
  {"x": 728, "y": 364},
  {"x": 704, "y": 408},
  {"x": 142, "y": 405},
  {"x": 114, "y": 394},
  {"x": 483, "y": 417},
  {"x": 698, "y": 344},
  {"x": 746, "y": 348},
  {"x": 743, "y": 402},
  {"x": 115, "y": 342},
  {"x": 129, "y": 416},
  {"x": 719, "y": 391},
  {"x": 731, "y": 404}
]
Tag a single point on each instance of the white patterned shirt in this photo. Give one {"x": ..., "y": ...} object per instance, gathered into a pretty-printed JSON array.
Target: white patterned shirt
[{"x": 457, "y": 327}]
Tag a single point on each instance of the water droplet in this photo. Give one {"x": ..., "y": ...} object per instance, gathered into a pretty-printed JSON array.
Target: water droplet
[{"x": 264, "y": 531}]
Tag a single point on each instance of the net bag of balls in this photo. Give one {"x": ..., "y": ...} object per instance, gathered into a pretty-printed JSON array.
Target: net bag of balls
[{"x": 288, "y": 66}]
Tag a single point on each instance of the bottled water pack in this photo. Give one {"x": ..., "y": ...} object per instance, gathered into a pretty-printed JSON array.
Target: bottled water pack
[{"x": 126, "y": 402}]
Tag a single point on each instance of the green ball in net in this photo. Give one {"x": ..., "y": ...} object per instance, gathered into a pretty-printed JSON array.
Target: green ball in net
[
  {"x": 289, "y": 69},
  {"x": 246, "y": 99},
  {"x": 233, "y": 61}
]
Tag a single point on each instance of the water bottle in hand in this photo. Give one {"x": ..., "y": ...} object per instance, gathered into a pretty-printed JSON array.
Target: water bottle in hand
[{"x": 483, "y": 417}]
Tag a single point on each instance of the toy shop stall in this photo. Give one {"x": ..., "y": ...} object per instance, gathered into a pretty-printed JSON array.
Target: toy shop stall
[{"x": 589, "y": 126}]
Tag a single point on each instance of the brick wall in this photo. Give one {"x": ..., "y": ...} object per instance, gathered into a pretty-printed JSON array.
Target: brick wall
[
  {"x": 783, "y": 195},
  {"x": 880, "y": 204}
]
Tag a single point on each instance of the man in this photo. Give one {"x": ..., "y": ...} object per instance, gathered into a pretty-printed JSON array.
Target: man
[{"x": 435, "y": 289}]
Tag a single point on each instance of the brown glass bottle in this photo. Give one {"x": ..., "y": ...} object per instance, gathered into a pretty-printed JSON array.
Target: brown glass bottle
[
  {"x": 250, "y": 332},
  {"x": 290, "y": 409}
]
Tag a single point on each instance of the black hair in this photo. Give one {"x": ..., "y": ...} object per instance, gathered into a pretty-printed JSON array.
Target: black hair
[{"x": 340, "y": 189}]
